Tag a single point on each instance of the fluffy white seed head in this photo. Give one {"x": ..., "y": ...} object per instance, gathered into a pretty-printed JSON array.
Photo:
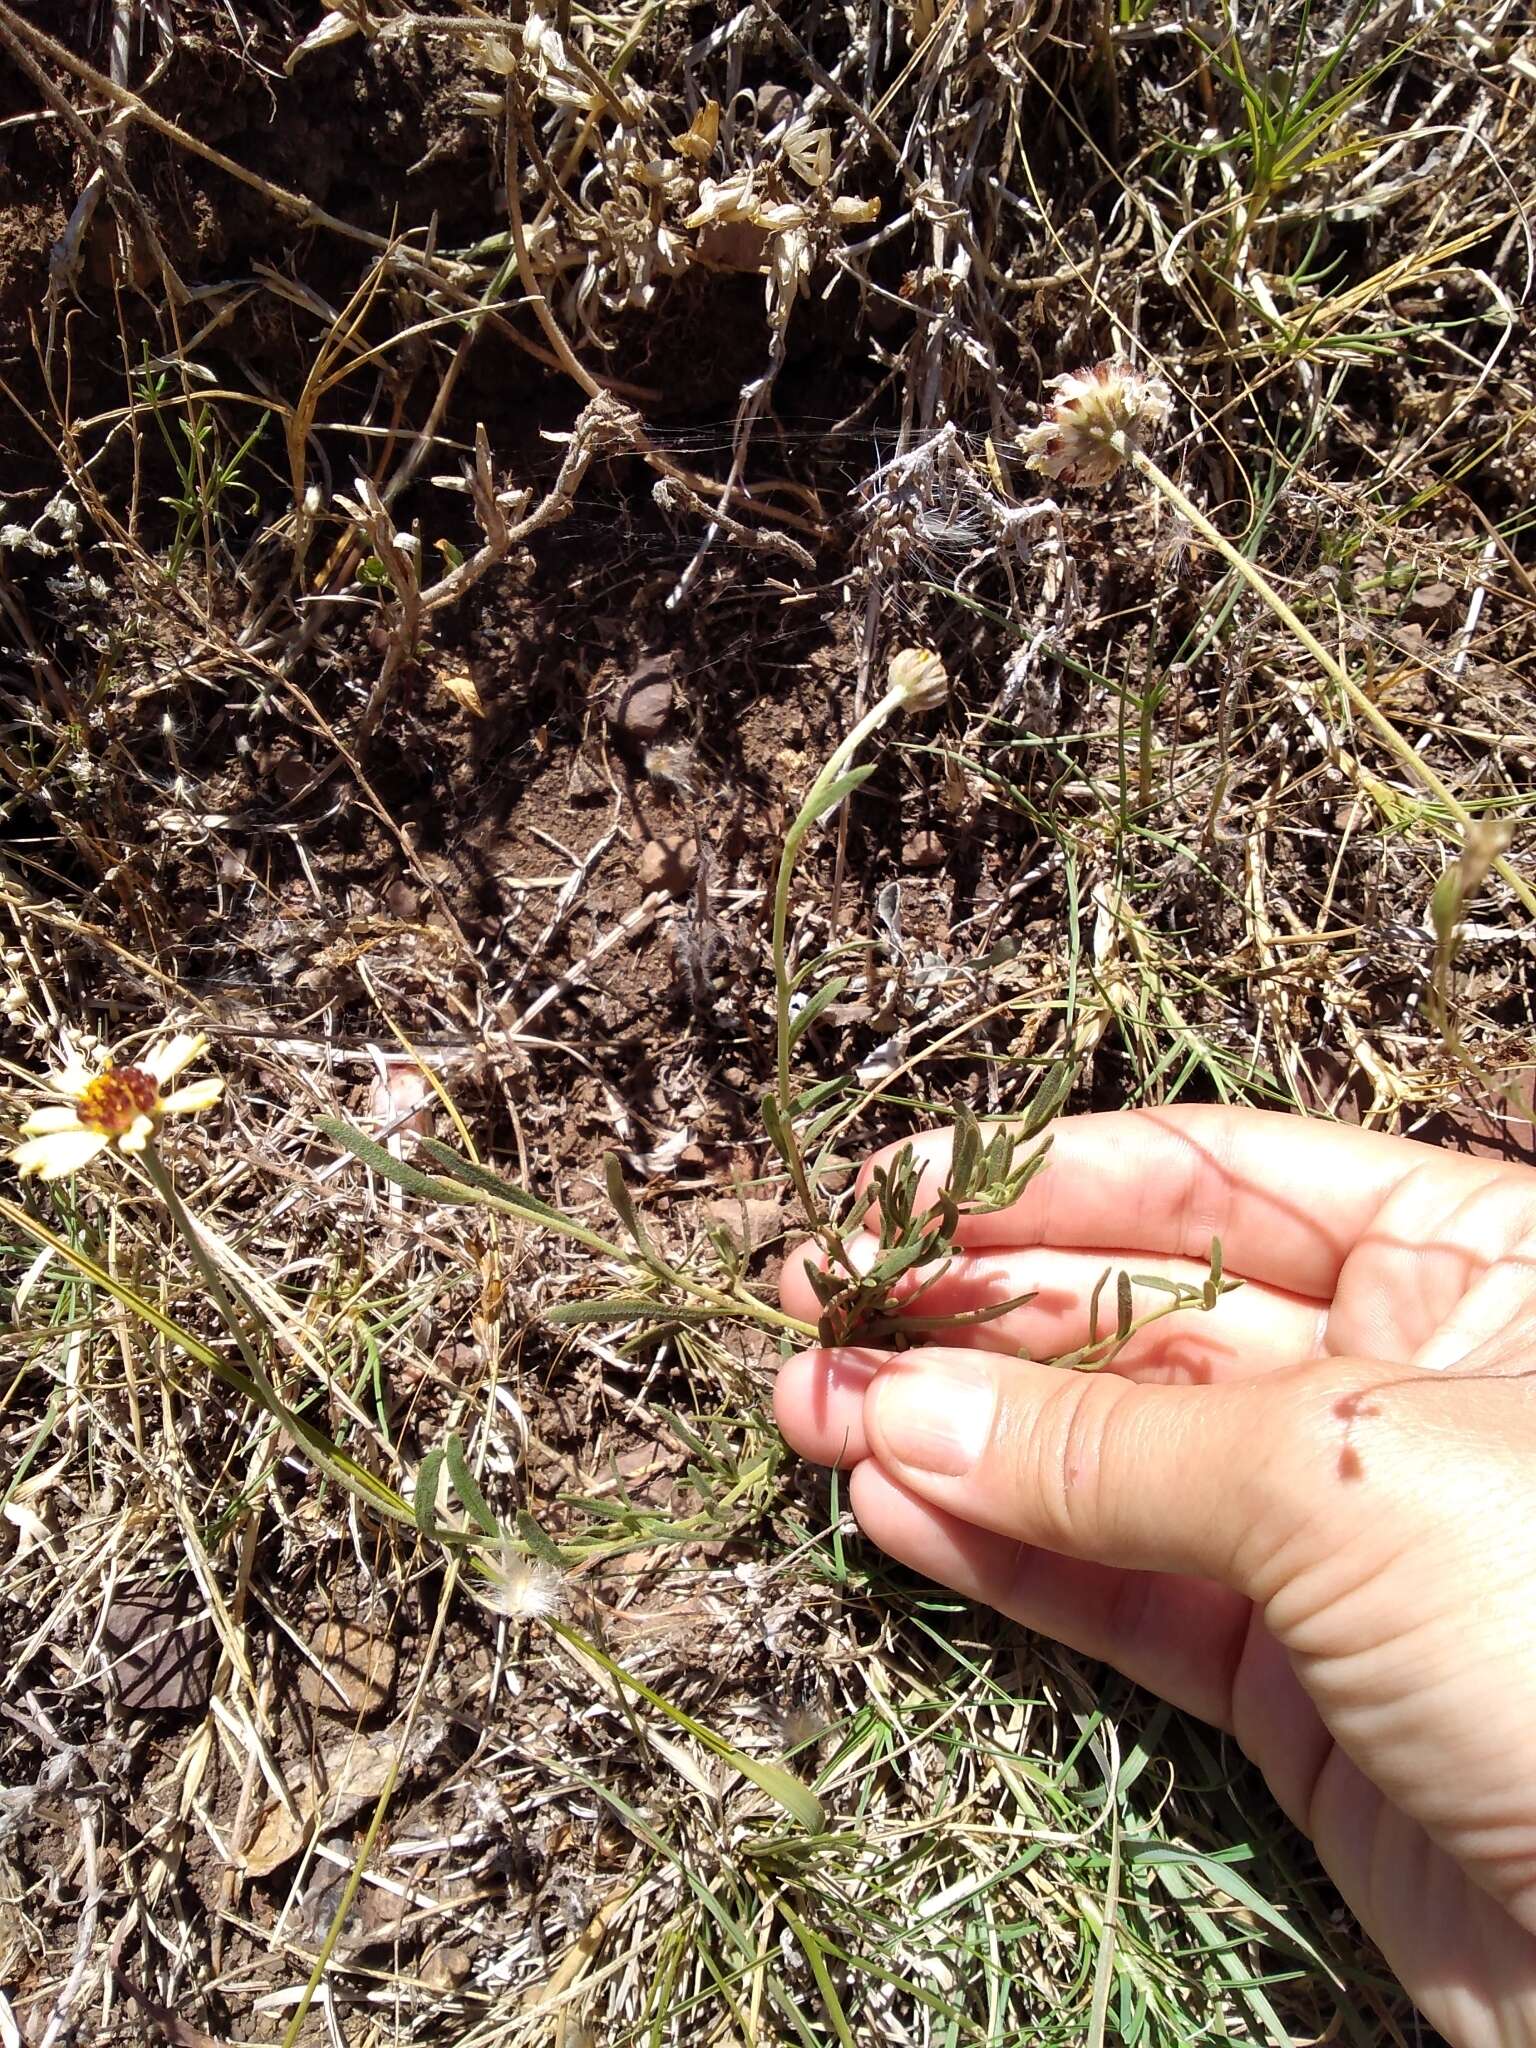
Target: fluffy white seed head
[{"x": 522, "y": 1588}]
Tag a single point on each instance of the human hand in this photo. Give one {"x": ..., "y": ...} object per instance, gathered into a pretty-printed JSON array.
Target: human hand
[{"x": 1307, "y": 1515}]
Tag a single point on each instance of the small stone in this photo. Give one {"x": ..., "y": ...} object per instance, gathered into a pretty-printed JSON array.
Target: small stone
[
  {"x": 447, "y": 1968},
  {"x": 641, "y": 709},
  {"x": 584, "y": 784},
  {"x": 669, "y": 864},
  {"x": 159, "y": 1642},
  {"x": 924, "y": 849},
  {"x": 751, "y": 1220},
  {"x": 287, "y": 770},
  {"x": 775, "y": 103},
  {"x": 356, "y": 1671}
]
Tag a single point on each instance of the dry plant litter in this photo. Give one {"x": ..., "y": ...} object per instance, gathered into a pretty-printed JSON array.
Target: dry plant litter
[{"x": 477, "y": 492}]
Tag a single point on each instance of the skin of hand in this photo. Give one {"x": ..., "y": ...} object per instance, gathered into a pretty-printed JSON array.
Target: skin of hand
[{"x": 1307, "y": 1515}]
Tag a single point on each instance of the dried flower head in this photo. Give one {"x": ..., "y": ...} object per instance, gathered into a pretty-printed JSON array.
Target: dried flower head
[
  {"x": 1094, "y": 417},
  {"x": 921, "y": 678},
  {"x": 119, "y": 1107}
]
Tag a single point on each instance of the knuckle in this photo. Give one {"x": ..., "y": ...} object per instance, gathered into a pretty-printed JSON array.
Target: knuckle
[{"x": 1066, "y": 1456}]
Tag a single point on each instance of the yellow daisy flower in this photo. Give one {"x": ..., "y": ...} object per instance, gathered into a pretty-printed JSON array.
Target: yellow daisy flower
[{"x": 119, "y": 1106}]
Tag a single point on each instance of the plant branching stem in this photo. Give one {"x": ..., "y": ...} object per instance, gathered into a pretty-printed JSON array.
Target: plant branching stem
[
  {"x": 836, "y": 762},
  {"x": 1331, "y": 666}
]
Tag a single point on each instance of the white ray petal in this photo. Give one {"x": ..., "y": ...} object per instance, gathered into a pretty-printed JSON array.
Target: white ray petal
[
  {"x": 167, "y": 1059},
  {"x": 54, "y": 1117},
  {"x": 72, "y": 1079},
  {"x": 57, "y": 1153},
  {"x": 199, "y": 1095}
]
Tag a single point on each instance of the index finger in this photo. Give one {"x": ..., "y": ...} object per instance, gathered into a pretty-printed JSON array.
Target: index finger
[{"x": 1288, "y": 1196}]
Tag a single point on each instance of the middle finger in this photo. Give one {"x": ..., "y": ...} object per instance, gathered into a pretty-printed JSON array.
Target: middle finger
[{"x": 1256, "y": 1328}]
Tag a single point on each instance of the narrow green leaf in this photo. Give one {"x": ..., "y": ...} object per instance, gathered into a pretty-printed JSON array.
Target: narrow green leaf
[
  {"x": 808, "y": 970},
  {"x": 622, "y": 1201},
  {"x": 827, "y": 994},
  {"x": 812, "y": 1949},
  {"x": 773, "y": 1124},
  {"x": 813, "y": 1096},
  {"x": 1049, "y": 1098},
  {"x": 967, "y": 1317},
  {"x": 1093, "y": 1307},
  {"x": 538, "y": 1541},
  {"x": 902, "y": 1258},
  {"x": 506, "y": 1194},
  {"x": 467, "y": 1487},
  {"x": 1124, "y": 1307},
  {"x": 1158, "y": 1284},
  {"x": 481, "y": 1177},
  {"x": 965, "y": 1155},
  {"x": 624, "y": 1207},
  {"x": 385, "y": 1164},
  {"x": 429, "y": 1476},
  {"x": 833, "y": 795},
  {"x": 624, "y": 1308},
  {"x": 812, "y": 1131},
  {"x": 792, "y": 1793}
]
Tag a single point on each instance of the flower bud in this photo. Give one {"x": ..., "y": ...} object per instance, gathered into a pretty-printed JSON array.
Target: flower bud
[{"x": 921, "y": 678}]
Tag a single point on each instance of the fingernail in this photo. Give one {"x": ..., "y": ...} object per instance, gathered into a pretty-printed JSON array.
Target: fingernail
[{"x": 935, "y": 1418}]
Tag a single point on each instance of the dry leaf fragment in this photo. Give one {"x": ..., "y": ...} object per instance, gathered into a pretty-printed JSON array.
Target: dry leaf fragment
[
  {"x": 461, "y": 688},
  {"x": 334, "y": 27},
  {"x": 703, "y": 131},
  {"x": 919, "y": 17},
  {"x": 346, "y": 1781},
  {"x": 809, "y": 151}
]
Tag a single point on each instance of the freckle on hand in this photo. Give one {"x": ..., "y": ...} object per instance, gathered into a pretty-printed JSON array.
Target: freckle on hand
[{"x": 1349, "y": 1408}]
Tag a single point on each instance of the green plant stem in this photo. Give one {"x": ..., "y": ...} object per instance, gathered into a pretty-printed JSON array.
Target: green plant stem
[
  {"x": 326, "y": 1455},
  {"x": 739, "y": 1302},
  {"x": 1331, "y": 666},
  {"x": 836, "y": 762},
  {"x": 233, "y": 1320}
]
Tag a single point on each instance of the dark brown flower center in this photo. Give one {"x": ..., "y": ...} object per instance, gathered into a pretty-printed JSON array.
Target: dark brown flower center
[{"x": 114, "y": 1101}]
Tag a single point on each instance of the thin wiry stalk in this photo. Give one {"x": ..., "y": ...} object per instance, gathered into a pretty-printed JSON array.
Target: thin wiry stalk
[{"x": 1417, "y": 767}]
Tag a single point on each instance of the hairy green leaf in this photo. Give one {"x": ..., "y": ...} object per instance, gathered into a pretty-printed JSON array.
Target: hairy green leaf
[
  {"x": 386, "y": 1165},
  {"x": 429, "y": 1474},
  {"x": 624, "y": 1308},
  {"x": 467, "y": 1487}
]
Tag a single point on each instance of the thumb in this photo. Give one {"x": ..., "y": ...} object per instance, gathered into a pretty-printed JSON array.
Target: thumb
[{"x": 1208, "y": 1480}]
